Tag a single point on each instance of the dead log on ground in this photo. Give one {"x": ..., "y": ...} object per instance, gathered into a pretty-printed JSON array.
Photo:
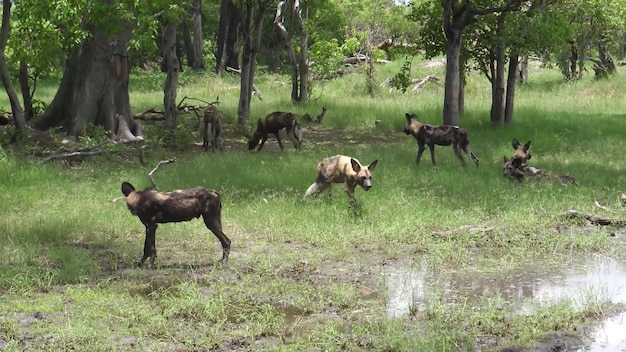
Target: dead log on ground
[{"x": 593, "y": 218}]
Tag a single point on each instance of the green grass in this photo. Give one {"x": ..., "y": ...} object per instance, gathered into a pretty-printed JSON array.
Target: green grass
[{"x": 299, "y": 267}]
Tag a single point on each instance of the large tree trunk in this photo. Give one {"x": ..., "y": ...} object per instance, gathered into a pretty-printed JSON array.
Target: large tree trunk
[
  {"x": 497, "y": 86},
  {"x": 171, "y": 81},
  {"x": 94, "y": 89},
  {"x": 16, "y": 108},
  {"x": 198, "y": 43},
  {"x": 304, "y": 50}
]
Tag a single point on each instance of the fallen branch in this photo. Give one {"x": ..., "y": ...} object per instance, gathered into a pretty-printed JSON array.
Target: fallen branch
[
  {"x": 151, "y": 173},
  {"x": 420, "y": 82},
  {"x": 593, "y": 218},
  {"x": 72, "y": 154}
]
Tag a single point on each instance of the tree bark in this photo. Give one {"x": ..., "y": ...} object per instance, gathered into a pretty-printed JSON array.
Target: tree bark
[
  {"x": 227, "y": 54},
  {"x": 198, "y": 41},
  {"x": 27, "y": 95},
  {"x": 252, "y": 30},
  {"x": 278, "y": 22},
  {"x": 189, "y": 49},
  {"x": 94, "y": 88},
  {"x": 171, "y": 80},
  {"x": 16, "y": 108},
  {"x": 304, "y": 50},
  {"x": 511, "y": 83}
]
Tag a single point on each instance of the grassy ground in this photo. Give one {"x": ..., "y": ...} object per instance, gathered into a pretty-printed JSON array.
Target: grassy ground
[{"x": 306, "y": 274}]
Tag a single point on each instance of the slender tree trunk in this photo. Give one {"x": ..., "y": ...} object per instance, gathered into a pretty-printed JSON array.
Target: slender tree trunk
[
  {"x": 16, "y": 108},
  {"x": 278, "y": 22},
  {"x": 187, "y": 43},
  {"x": 198, "y": 41},
  {"x": 523, "y": 70},
  {"x": 510, "y": 88},
  {"x": 245, "y": 94},
  {"x": 232, "y": 42},
  {"x": 301, "y": 14},
  {"x": 171, "y": 80},
  {"x": 27, "y": 96},
  {"x": 453, "y": 82}
]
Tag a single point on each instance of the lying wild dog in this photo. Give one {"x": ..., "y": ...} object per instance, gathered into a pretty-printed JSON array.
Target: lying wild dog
[
  {"x": 522, "y": 152},
  {"x": 320, "y": 117},
  {"x": 443, "y": 135},
  {"x": 516, "y": 169},
  {"x": 153, "y": 208},
  {"x": 212, "y": 128},
  {"x": 342, "y": 169},
  {"x": 273, "y": 123}
]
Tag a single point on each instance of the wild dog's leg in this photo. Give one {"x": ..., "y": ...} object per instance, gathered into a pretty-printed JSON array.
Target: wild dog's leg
[
  {"x": 207, "y": 132},
  {"x": 350, "y": 192},
  {"x": 292, "y": 137},
  {"x": 457, "y": 151},
  {"x": 432, "y": 153},
  {"x": 420, "y": 151},
  {"x": 214, "y": 223},
  {"x": 262, "y": 143},
  {"x": 149, "y": 246},
  {"x": 280, "y": 143},
  {"x": 471, "y": 155}
]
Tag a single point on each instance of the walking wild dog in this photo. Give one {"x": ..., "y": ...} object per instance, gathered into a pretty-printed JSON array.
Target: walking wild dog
[
  {"x": 153, "y": 208},
  {"x": 342, "y": 169},
  {"x": 443, "y": 135},
  {"x": 212, "y": 128},
  {"x": 273, "y": 123}
]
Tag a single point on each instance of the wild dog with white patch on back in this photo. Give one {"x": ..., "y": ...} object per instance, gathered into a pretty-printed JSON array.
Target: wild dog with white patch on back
[
  {"x": 342, "y": 169},
  {"x": 443, "y": 135},
  {"x": 153, "y": 208},
  {"x": 273, "y": 123}
]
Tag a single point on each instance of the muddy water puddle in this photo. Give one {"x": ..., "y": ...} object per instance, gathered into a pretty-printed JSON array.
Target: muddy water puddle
[{"x": 521, "y": 285}]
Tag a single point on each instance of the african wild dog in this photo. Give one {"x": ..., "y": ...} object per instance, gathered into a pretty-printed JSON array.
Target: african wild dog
[
  {"x": 443, "y": 135},
  {"x": 342, "y": 169},
  {"x": 212, "y": 128},
  {"x": 320, "y": 117},
  {"x": 273, "y": 123},
  {"x": 153, "y": 208},
  {"x": 522, "y": 152},
  {"x": 515, "y": 169}
]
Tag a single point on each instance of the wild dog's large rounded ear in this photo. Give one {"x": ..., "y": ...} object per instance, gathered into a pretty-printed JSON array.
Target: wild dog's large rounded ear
[
  {"x": 127, "y": 188},
  {"x": 356, "y": 167},
  {"x": 408, "y": 116},
  {"x": 527, "y": 146},
  {"x": 372, "y": 166},
  {"x": 515, "y": 143}
]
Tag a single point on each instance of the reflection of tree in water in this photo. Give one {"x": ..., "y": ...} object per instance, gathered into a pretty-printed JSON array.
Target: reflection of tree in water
[{"x": 534, "y": 280}]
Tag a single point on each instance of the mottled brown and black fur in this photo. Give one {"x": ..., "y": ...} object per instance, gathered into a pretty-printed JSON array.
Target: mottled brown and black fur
[
  {"x": 517, "y": 169},
  {"x": 153, "y": 208},
  {"x": 212, "y": 128},
  {"x": 272, "y": 124},
  {"x": 342, "y": 169},
  {"x": 443, "y": 135},
  {"x": 522, "y": 152}
]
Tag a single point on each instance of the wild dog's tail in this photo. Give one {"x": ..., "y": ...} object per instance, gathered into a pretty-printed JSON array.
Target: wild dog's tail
[
  {"x": 465, "y": 144},
  {"x": 314, "y": 188}
]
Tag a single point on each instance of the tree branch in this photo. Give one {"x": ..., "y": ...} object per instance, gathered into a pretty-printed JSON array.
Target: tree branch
[{"x": 151, "y": 173}]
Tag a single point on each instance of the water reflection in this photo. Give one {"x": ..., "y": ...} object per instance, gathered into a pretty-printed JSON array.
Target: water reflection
[{"x": 541, "y": 281}]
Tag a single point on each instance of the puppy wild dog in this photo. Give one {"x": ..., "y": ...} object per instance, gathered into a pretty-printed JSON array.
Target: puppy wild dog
[
  {"x": 342, "y": 169},
  {"x": 153, "y": 208},
  {"x": 443, "y": 135},
  {"x": 273, "y": 123},
  {"x": 212, "y": 128}
]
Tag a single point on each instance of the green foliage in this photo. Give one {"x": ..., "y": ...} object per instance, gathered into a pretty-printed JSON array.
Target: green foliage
[
  {"x": 327, "y": 58},
  {"x": 402, "y": 79},
  {"x": 179, "y": 138},
  {"x": 351, "y": 45},
  {"x": 92, "y": 135}
]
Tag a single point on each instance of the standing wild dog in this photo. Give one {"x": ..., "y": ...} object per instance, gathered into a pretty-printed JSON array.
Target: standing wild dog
[
  {"x": 153, "y": 208},
  {"x": 212, "y": 128},
  {"x": 443, "y": 135},
  {"x": 342, "y": 169},
  {"x": 273, "y": 123}
]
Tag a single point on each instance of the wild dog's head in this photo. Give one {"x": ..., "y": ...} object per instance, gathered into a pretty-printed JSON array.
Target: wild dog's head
[
  {"x": 513, "y": 168},
  {"x": 363, "y": 173},
  {"x": 412, "y": 124},
  {"x": 522, "y": 152}
]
